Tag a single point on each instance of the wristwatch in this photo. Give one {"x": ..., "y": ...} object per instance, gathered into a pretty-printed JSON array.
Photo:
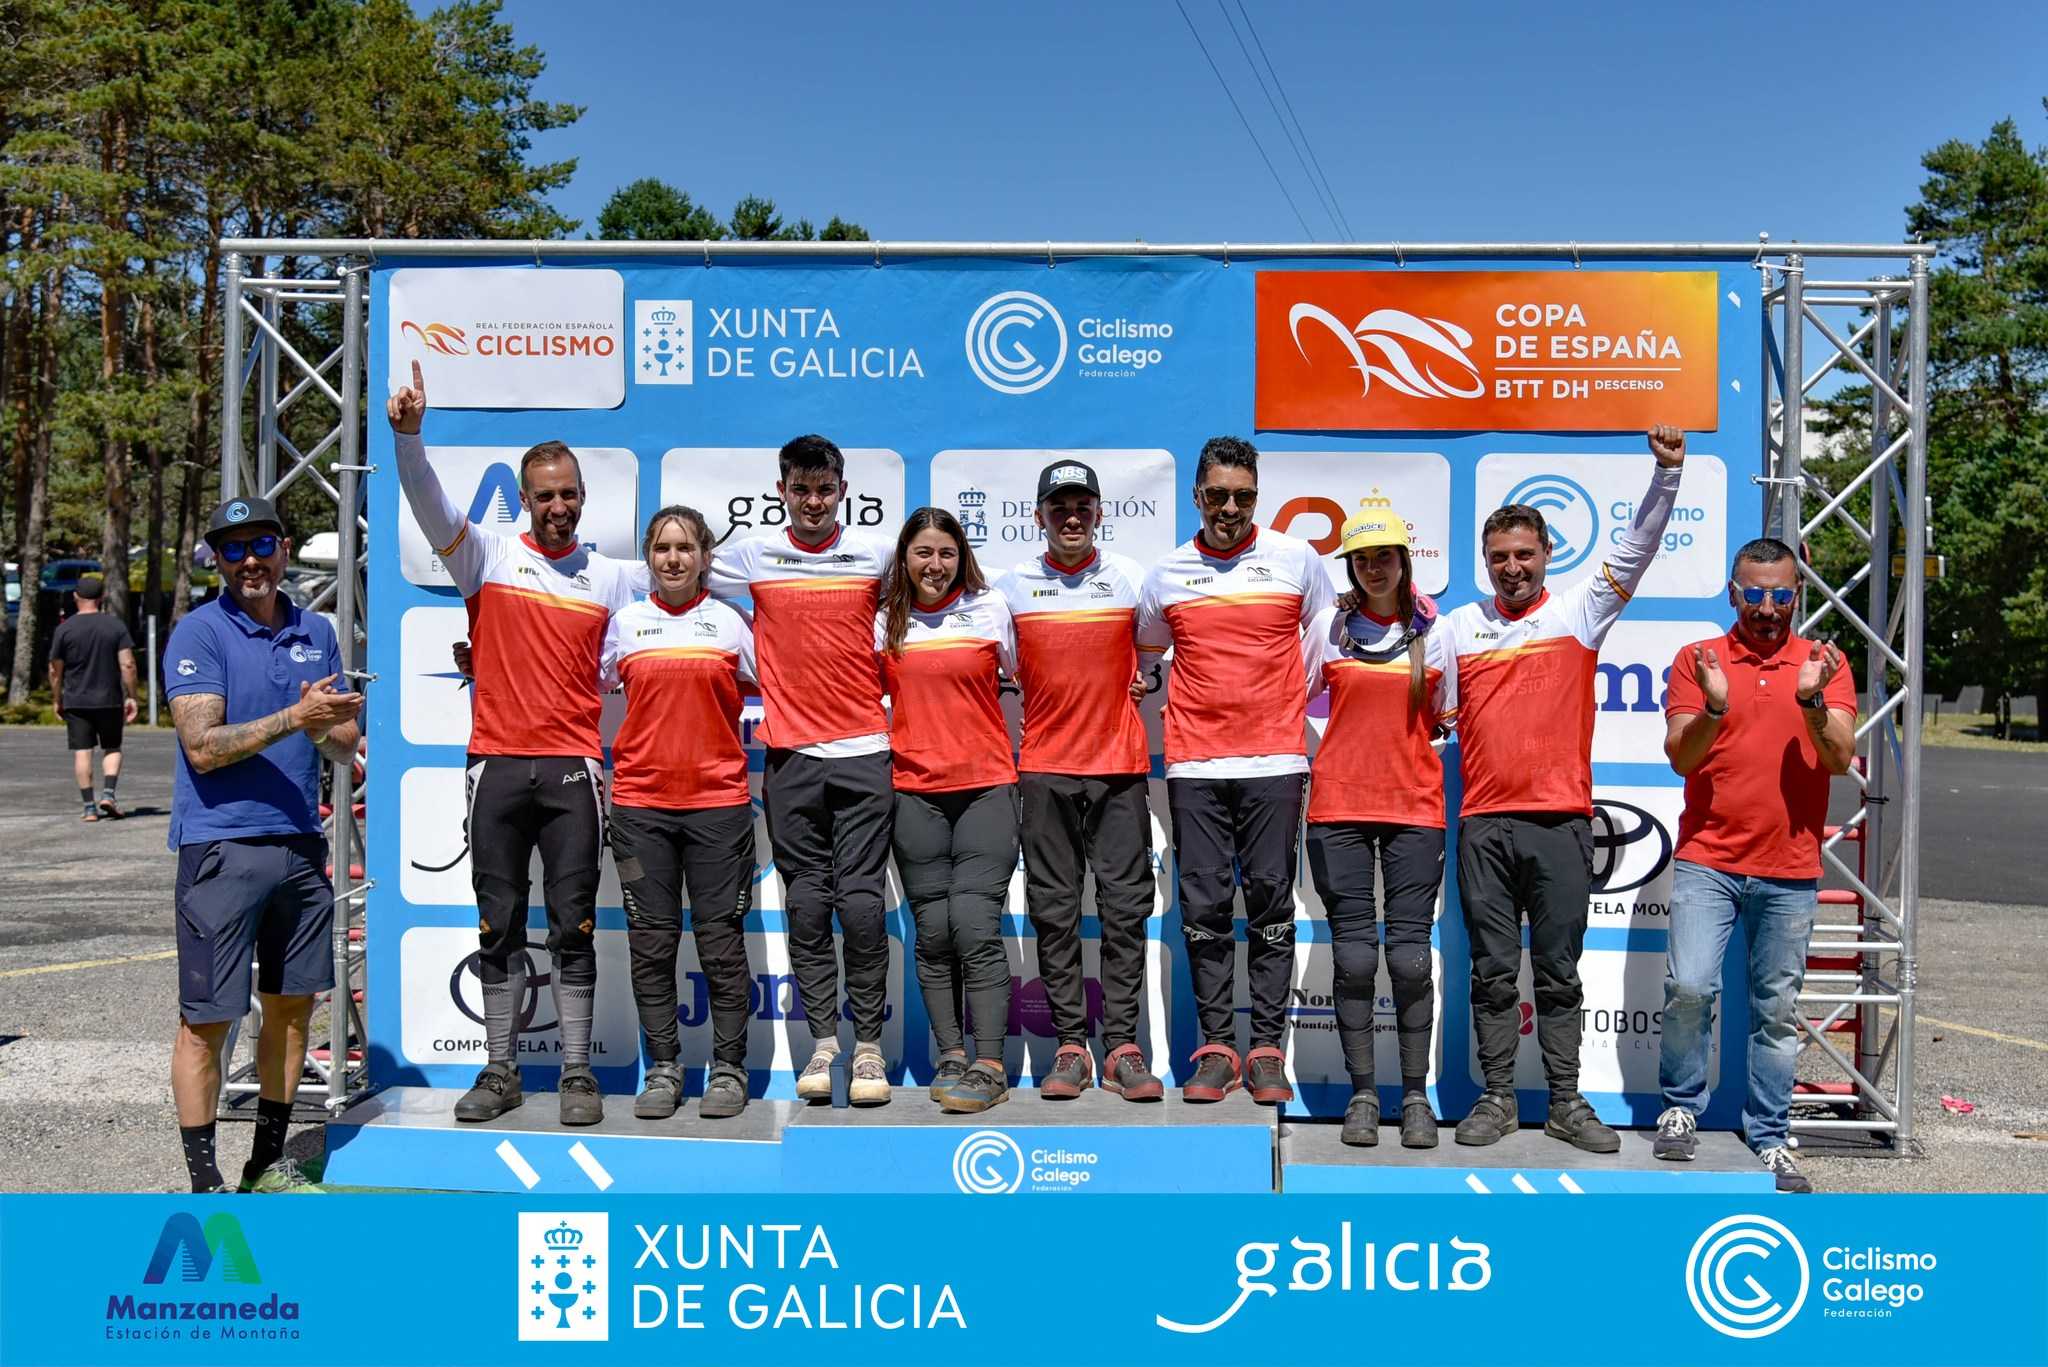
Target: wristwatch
[
  {"x": 1708, "y": 708},
  {"x": 1817, "y": 703}
]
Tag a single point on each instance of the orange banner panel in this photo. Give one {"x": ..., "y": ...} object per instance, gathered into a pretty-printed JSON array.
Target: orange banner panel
[{"x": 1487, "y": 351}]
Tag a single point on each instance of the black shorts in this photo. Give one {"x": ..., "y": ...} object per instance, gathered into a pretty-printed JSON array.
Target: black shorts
[
  {"x": 87, "y": 727},
  {"x": 269, "y": 895}
]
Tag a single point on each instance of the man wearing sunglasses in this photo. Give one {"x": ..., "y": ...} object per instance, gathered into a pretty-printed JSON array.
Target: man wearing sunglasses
[
  {"x": 1526, "y": 670},
  {"x": 258, "y": 696},
  {"x": 1232, "y": 603},
  {"x": 1759, "y": 721},
  {"x": 539, "y": 605}
]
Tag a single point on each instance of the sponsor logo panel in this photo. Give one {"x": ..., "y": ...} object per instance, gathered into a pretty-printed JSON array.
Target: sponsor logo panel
[
  {"x": 734, "y": 487},
  {"x": 510, "y": 336},
  {"x": 994, "y": 494},
  {"x": 1621, "y": 1025},
  {"x": 433, "y": 843},
  {"x": 1501, "y": 351},
  {"x": 444, "y": 1008},
  {"x": 1635, "y": 831},
  {"x": 483, "y": 484},
  {"x": 1588, "y": 503},
  {"x": 1033, "y": 1039},
  {"x": 1629, "y": 684},
  {"x": 1018, "y": 343},
  {"x": 1308, "y": 494},
  {"x": 770, "y": 341}
]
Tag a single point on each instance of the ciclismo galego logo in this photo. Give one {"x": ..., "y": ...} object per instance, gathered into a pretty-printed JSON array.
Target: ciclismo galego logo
[
  {"x": 1747, "y": 1276},
  {"x": 201, "y": 1285}
]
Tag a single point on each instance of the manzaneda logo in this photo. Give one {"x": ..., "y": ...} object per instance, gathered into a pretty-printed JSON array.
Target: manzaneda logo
[{"x": 192, "y": 1253}]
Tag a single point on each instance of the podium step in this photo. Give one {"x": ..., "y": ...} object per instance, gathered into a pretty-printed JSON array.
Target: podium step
[
  {"x": 409, "y": 1137},
  {"x": 1528, "y": 1162}
]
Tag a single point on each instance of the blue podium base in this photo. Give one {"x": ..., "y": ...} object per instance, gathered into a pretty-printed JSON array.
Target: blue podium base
[
  {"x": 1528, "y": 1162},
  {"x": 407, "y": 1137}
]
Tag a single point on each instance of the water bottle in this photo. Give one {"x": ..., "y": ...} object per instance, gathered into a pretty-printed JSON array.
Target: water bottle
[{"x": 842, "y": 1079}]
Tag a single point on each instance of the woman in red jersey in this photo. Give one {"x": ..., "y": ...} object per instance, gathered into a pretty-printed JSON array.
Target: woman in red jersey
[
  {"x": 681, "y": 814},
  {"x": 943, "y": 635},
  {"x": 1376, "y": 798}
]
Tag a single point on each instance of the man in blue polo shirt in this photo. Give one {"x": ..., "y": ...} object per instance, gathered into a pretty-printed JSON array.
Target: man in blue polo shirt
[{"x": 258, "y": 697}]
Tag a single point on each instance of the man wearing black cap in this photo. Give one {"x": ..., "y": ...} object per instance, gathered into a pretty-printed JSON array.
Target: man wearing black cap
[
  {"x": 92, "y": 686},
  {"x": 258, "y": 696},
  {"x": 1082, "y": 778}
]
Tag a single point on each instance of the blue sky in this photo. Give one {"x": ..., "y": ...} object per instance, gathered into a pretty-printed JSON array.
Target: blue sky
[{"x": 1103, "y": 121}]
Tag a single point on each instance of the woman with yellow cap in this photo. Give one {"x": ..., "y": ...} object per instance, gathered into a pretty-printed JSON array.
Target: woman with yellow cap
[{"x": 1376, "y": 800}]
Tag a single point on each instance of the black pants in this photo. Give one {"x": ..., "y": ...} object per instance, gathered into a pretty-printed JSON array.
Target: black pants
[
  {"x": 1229, "y": 831},
  {"x": 1073, "y": 824},
  {"x": 1539, "y": 865},
  {"x": 709, "y": 853},
  {"x": 956, "y": 852},
  {"x": 828, "y": 820},
  {"x": 515, "y": 804},
  {"x": 1341, "y": 860}
]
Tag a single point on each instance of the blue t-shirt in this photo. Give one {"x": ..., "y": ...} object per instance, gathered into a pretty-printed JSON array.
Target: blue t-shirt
[{"x": 220, "y": 649}]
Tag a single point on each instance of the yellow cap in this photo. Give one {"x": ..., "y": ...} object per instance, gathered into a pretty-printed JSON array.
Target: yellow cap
[{"x": 1374, "y": 524}]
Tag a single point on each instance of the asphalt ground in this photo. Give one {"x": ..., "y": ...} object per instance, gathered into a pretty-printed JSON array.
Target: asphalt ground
[{"x": 88, "y": 983}]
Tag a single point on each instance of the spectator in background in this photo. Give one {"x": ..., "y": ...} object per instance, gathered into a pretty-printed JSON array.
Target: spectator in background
[{"x": 92, "y": 687}]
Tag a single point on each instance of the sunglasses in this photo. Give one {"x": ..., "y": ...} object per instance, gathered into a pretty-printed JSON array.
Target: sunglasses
[
  {"x": 1216, "y": 499},
  {"x": 1755, "y": 597},
  {"x": 262, "y": 547}
]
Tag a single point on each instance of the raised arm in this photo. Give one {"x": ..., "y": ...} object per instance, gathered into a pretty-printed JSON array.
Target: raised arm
[{"x": 447, "y": 530}]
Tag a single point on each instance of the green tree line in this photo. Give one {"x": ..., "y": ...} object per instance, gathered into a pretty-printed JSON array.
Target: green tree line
[
  {"x": 134, "y": 135},
  {"x": 1985, "y": 206}
]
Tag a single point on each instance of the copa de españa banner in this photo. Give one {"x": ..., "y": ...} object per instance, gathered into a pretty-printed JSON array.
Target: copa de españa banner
[
  {"x": 950, "y": 1280},
  {"x": 1499, "y": 351}
]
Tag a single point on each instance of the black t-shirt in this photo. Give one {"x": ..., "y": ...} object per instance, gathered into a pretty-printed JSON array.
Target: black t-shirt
[{"x": 90, "y": 645}]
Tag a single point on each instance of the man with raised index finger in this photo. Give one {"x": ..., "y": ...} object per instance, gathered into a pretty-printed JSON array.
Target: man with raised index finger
[{"x": 539, "y": 606}]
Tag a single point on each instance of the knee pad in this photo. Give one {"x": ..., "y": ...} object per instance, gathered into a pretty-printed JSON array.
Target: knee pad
[{"x": 1408, "y": 964}]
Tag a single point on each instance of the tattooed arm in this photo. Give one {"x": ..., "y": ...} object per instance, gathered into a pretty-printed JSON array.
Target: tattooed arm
[{"x": 326, "y": 715}]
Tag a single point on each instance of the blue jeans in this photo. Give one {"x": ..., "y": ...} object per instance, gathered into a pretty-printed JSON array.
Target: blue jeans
[{"x": 1777, "y": 921}]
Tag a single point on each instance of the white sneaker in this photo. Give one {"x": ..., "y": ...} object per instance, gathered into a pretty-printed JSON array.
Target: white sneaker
[
  {"x": 1778, "y": 1159},
  {"x": 870, "y": 1077},
  {"x": 1676, "y": 1135},
  {"x": 814, "y": 1083}
]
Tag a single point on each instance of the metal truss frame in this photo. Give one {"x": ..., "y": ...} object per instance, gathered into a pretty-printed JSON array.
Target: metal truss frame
[
  {"x": 265, "y": 377},
  {"x": 1864, "y": 975},
  {"x": 1863, "y": 969}
]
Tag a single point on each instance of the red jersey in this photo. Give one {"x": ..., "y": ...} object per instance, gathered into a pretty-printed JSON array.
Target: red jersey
[
  {"x": 1076, "y": 656},
  {"x": 1234, "y": 704},
  {"x": 814, "y": 612},
  {"x": 1525, "y": 679},
  {"x": 1758, "y": 801},
  {"x": 948, "y": 731},
  {"x": 537, "y": 622},
  {"x": 1375, "y": 762},
  {"x": 683, "y": 668}
]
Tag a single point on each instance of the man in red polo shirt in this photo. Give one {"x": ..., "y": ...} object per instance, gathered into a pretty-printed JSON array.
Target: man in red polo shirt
[{"x": 1759, "y": 720}]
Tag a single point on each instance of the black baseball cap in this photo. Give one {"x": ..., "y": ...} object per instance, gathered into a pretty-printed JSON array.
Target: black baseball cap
[
  {"x": 1067, "y": 474},
  {"x": 236, "y": 515}
]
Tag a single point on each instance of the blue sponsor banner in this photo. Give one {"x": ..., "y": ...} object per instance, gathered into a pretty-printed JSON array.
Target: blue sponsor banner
[
  {"x": 917, "y": 1279},
  {"x": 951, "y": 381}
]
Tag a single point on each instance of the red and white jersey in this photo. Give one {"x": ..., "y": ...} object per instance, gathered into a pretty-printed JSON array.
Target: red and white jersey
[
  {"x": 1076, "y": 656},
  {"x": 947, "y": 729},
  {"x": 1525, "y": 679},
  {"x": 537, "y": 622},
  {"x": 686, "y": 671},
  {"x": 1234, "y": 704},
  {"x": 1375, "y": 761},
  {"x": 814, "y": 614}
]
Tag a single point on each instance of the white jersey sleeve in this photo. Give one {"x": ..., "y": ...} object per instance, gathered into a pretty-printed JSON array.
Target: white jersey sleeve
[
  {"x": 1596, "y": 604},
  {"x": 463, "y": 549}
]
